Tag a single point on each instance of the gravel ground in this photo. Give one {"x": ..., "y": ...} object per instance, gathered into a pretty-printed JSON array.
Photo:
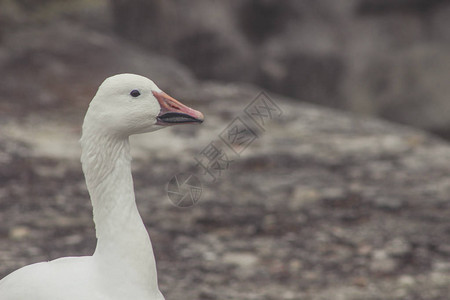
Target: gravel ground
[{"x": 321, "y": 205}]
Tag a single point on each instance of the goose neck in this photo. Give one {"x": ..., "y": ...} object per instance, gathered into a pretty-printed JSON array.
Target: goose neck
[{"x": 122, "y": 239}]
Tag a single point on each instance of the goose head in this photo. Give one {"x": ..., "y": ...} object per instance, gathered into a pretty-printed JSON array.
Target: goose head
[{"x": 127, "y": 104}]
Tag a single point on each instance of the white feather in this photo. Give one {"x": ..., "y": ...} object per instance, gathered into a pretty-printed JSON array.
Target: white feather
[{"x": 123, "y": 265}]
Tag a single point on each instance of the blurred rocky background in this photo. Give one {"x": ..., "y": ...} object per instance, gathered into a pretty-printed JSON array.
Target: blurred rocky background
[
  {"x": 326, "y": 204},
  {"x": 389, "y": 58}
]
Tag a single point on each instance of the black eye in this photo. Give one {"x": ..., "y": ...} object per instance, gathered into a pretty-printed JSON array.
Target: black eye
[{"x": 135, "y": 93}]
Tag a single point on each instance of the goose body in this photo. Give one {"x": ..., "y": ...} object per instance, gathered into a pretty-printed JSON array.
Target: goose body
[{"x": 123, "y": 264}]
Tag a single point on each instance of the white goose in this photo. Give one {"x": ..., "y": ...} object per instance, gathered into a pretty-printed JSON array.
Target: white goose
[{"x": 123, "y": 265}]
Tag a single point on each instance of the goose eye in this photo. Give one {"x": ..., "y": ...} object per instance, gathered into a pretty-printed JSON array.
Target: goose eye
[{"x": 135, "y": 93}]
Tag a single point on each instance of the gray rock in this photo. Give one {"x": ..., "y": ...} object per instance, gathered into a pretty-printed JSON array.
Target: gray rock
[
  {"x": 372, "y": 57},
  {"x": 383, "y": 263},
  {"x": 388, "y": 203}
]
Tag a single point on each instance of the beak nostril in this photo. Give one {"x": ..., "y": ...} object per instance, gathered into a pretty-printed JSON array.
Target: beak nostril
[{"x": 171, "y": 104}]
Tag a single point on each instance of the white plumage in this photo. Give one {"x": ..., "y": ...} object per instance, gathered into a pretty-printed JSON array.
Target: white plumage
[{"x": 123, "y": 265}]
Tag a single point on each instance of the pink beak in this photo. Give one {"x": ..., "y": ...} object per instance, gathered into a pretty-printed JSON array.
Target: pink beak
[{"x": 173, "y": 112}]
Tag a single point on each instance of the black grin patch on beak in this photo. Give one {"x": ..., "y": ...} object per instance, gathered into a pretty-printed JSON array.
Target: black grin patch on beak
[{"x": 173, "y": 117}]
